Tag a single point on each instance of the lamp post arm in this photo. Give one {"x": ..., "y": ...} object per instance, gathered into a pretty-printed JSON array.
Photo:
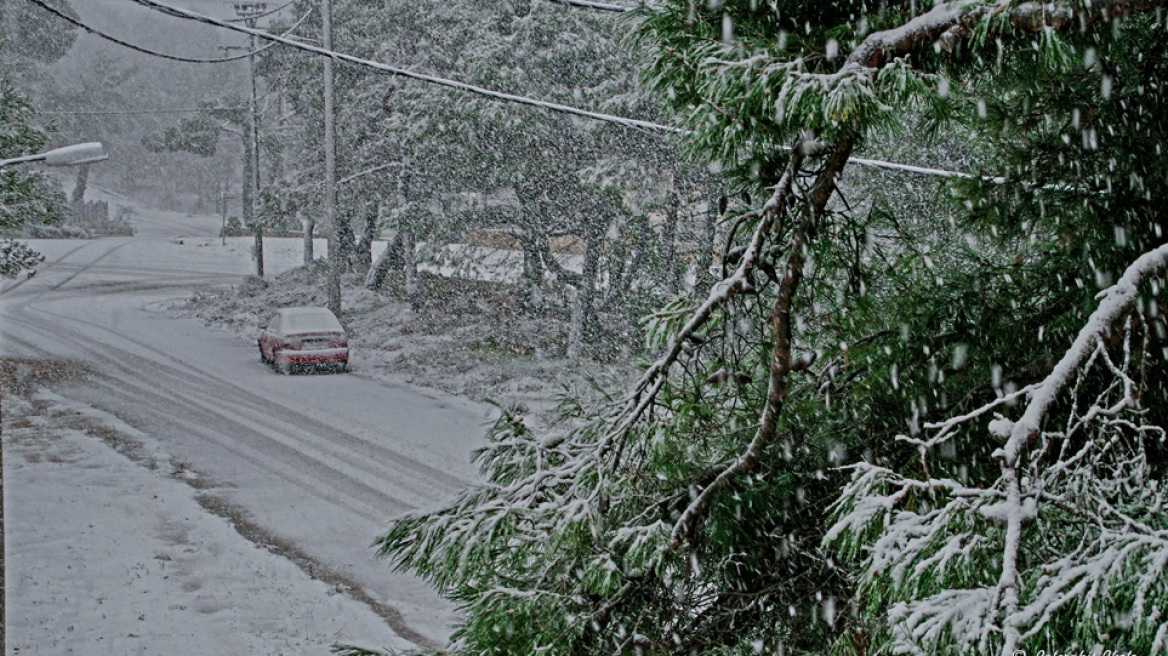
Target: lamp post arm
[
  {"x": 75, "y": 155},
  {"x": 22, "y": 160}
]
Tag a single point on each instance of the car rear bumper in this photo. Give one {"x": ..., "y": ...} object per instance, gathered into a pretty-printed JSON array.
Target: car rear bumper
[{"x": 314, "y": 356}]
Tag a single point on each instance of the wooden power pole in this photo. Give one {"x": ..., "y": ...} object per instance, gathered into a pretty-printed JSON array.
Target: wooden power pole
[{"x": 330, "y": 167}]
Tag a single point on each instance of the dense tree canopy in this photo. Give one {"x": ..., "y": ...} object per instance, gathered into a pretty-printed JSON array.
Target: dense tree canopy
[
  {"x": 907, "y": 416},
  {"x": 442, "y": 164},
  {"x": 29, "y": 38},
  {"x": 886, "y": 429},
  {"x": 24, "y": 194}
]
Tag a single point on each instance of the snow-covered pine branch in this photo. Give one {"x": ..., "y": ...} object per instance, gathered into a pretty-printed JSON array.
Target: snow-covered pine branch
[
  {"x": 689, "y": 513},
  {"x": 646, "y": 389},
  {"x": 1069, "y": 542}
]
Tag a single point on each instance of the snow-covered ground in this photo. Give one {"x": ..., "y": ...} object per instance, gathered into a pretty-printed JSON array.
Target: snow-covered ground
[
  {"x": 311, "y": 467},
  {"x": 112, "y": 555},
  {"x": 464, "y": 335}
]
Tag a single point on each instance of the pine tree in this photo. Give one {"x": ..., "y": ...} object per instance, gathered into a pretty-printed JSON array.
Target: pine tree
[
  {"x": 29, "y": 38},
  {"x": 834, "y": 387},
  {"x": 25, "y": 195}
]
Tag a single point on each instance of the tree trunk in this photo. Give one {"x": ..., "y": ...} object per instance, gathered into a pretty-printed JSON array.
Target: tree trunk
[
  {"x": 364, "y": 253},
  {"x": 410, "y": 268},
  {"x": 669, "y": 238},
  {"x": 533, "y": 270},
  {"x": 702, "y": 278},
  {"x": 259, "y": 250},
  {"x": 639, "y": 236},
  {"x": 346, "y": 242},
  {"x": 309, "y": 224},
  {"x": 392, "y": 258},
  {"x": 79, "y": 193},
  {"x": 584, "y": 310}
]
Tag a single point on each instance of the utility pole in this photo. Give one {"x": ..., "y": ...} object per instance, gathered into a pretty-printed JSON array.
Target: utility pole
[
  {"x": 223, "y": 209},
  {"x": 225, "y": 196},
  {"x": 330, "y": 166},
  {"x": 250, "y": 12}
]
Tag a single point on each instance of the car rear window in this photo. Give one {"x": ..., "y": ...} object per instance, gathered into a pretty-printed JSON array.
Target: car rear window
[{"x": 309, "y": 321}]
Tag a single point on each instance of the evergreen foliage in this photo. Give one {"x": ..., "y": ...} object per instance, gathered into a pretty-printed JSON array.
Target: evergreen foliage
[
  {"x": 813, "y": 464},
  {"x": 25, "y": 195},
  {"x": 30, "y": 37},
  {"x": 445, "y": 165}
]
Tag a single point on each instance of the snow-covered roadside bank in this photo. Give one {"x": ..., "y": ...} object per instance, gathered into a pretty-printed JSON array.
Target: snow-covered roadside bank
[
  {"x": 109, "y": 551},
  {"x": 466, "y": 337}
]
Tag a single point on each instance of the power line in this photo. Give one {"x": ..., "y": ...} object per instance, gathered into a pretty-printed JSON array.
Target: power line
[
  {"x": 922, "y": 170},
  {"x": 191, "y": 110},
  {"x": 592, "y": 5},
  {"x": 187, "y": 60},
  {"x": 92, "y": 30},
  {"x": 422, "y": 77}
]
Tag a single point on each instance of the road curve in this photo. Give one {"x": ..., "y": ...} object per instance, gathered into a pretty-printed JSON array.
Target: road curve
[{"x": 319, "y": 462}]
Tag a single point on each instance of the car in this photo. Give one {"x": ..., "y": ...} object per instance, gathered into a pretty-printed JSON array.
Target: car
[{"x": 303, "y": 336}]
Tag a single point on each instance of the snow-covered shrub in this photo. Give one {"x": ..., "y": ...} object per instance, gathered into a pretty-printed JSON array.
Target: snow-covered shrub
[{"x": 57, "y": 232}]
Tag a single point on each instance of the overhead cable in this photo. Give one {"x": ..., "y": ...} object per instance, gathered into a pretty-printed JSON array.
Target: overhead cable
[
  {"x": 592, "y": 5},
  {"x": 98, "y": 112},
  {"x": 922, "y": 170},
  {"x": 393, "y": 70},
  {"x": 125, "y": 44}
]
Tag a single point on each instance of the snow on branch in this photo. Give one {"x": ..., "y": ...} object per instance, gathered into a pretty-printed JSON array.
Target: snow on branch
[
  {"x": 958, "y": 561},
  {"x": 655, "y": 377},
  {"x": 880, "y": 67},
  {"x": 951, "y": 22},
  {"x": 1115, "y": 302}
]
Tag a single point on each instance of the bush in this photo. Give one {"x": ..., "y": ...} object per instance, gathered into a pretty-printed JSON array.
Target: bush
[{"x": 57, "y": 232}]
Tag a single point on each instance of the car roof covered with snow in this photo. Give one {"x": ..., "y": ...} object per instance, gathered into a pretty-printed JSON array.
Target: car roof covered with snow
[{"x": 307, "y": 320}]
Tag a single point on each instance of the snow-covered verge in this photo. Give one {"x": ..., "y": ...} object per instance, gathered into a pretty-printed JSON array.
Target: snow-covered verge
[
  {"x": 465, "y": 337},
  {"x": 109, "y": 550}
]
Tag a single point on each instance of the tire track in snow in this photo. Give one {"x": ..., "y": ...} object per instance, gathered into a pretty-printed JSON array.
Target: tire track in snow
[
  {"x": 203, "y": 401},
  {"x": 86, "y": 267},
  {"x": 197, "y": 383},
  {"x": 313, "y": 567},
  {"x": 201, "y": 381},
  {"x": 50, "y": 266},
  {"x": 329, "y": 465}
]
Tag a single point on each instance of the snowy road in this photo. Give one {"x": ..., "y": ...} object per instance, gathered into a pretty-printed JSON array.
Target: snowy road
[{"x": 318, "y": 463}]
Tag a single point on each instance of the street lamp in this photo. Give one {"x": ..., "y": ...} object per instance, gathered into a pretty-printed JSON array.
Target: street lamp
[{"x": 75, "y": 155}]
